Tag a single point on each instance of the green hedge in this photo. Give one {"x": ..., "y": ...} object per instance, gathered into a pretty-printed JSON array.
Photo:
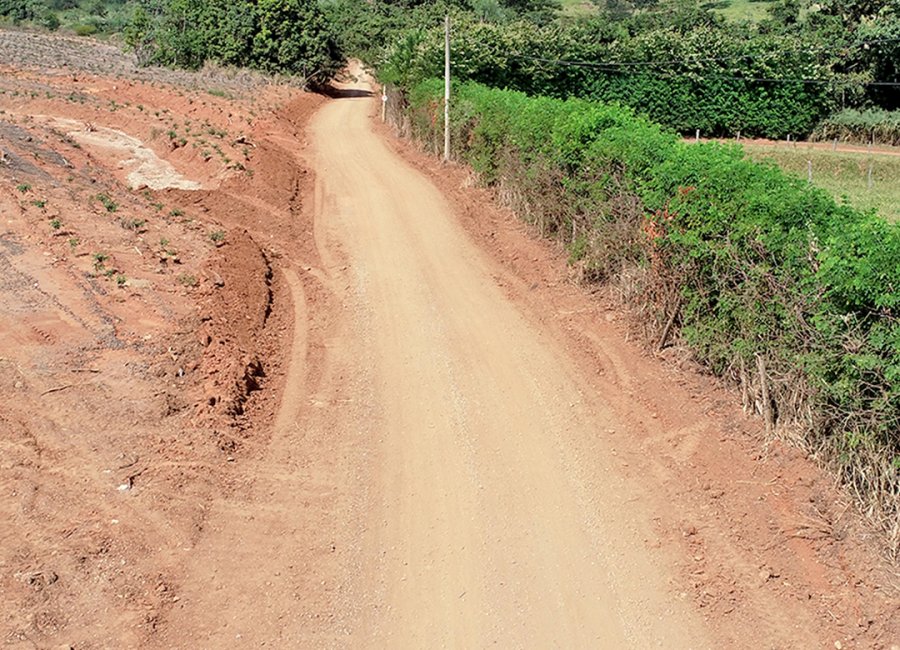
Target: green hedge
[
  {"x": 768, "y": 280},
  {"x": 718, "y": 80}
]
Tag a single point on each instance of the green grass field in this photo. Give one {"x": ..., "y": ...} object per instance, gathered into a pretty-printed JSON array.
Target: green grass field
[
  {"x": 578, "y": 7},
  {"x": 843, "y": 174},
  {"x": 749, "y": 10}
]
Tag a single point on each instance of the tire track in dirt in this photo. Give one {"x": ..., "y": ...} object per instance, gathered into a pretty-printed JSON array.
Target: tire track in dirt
[{"x": 485, "y": 526}]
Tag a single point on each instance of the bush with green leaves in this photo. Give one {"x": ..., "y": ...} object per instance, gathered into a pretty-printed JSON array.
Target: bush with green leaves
[
  {"x": 765, "y": 278},
  {"x": 283, "y": 36},
  {"x": 709, "y": 77}
]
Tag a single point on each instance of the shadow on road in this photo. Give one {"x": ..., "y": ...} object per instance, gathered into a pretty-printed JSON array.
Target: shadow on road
[{"x": 344, "y": 93}]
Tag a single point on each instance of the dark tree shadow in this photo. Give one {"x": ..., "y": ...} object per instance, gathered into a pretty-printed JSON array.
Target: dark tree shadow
[{"x": 344, "y": 93}]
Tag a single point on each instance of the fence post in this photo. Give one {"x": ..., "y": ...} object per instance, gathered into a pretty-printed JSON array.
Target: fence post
[
  {"x": 697, "y": 136},
  {"x": 809, "y": 171}
]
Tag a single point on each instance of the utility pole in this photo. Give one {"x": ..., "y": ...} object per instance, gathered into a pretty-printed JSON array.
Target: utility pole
[{"x": 447, "y": 88}]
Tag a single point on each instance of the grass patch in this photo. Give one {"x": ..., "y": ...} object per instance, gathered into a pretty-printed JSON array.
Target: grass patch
[
  {"x": 842, "y": 174},
  {"x": 752, "y": 11},
  {"x": 578, "y": 8}
]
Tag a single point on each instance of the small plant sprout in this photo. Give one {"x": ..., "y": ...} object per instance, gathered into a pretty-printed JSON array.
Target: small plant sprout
[
  {"x": 176, "y": 212},
  {"x": 217, "y": 236},
  {"x": 39, "y": 203},
  {"x": 121, "y": 280},
  {"x": 23, "y": 187},
  {"x": 56, "y": 224},
  {"x": 187, "y": 280},
  {"x": 73, "y": 242},
  {"x": 99, "y": 259},
  {"x": 108, "y": 203},
  {"x": 136, "y": 225}
]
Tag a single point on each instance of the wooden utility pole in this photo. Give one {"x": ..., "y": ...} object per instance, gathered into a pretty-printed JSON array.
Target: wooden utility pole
[{"x": 447, "y": 89}]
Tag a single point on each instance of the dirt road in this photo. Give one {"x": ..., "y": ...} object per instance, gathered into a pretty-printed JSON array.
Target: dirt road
[
  {"x": 486, "y": 527},
  {"x": 335, "y": 396}
]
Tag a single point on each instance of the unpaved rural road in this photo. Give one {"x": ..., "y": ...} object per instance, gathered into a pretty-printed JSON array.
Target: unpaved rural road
[
  {"x": 446, "y": 472},
  {"x": 486, "y": 527},
  {"x": 379, "y": 414}
]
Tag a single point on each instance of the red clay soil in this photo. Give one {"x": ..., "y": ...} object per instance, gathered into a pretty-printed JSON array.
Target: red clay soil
[
  {"x": 144, "y": 344},
  {"x": 765, "y": 537},
  {"x": 140, "y": 334}
]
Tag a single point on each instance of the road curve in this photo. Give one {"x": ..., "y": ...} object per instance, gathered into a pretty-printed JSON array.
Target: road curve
[{"x": 486, "y": 527}]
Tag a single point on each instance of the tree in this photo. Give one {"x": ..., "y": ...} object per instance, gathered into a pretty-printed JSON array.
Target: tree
[{"x": 293, "y": 36}]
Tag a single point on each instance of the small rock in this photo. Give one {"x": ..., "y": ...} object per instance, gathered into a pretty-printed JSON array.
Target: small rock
[
  {"x": 838, "y": 645},
  {"x": 18, "y": 384}
]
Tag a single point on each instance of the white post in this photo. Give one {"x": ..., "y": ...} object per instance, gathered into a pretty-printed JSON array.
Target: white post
[
  {"x": 447, "y": 89},
  {"x": 697, "y": 136},
  {"x": 383, "y": 104}
]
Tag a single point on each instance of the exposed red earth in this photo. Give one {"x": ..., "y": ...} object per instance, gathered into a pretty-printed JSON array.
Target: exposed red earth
[{"x": 300, "y": 385}]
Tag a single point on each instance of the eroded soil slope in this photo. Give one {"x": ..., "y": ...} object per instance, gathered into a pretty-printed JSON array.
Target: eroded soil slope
[{"x": 143, "y": 311}]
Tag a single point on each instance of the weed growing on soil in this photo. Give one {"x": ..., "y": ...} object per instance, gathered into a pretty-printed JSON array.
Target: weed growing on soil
[
  {"x": 217, "y": 236},
  {"x": 39, "y": 203},
  {"x": 73, "y": 243},
  {"x": 108, "y": 203},
  {"x": 56, "y": 224},
  {"x": 187, "y": 280},
  {"x": 23, "y": 187},
  {"x": 99, "y": 261},
  {"x": 136, "y": 225}
]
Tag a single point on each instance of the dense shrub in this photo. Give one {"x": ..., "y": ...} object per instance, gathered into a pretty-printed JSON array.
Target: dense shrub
[
  {"x": 767, "y": 279},
  {"x": 710, "y": 78},
  {"x": 286, "y": 36},
  {"x": 872, "y": 125}
]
